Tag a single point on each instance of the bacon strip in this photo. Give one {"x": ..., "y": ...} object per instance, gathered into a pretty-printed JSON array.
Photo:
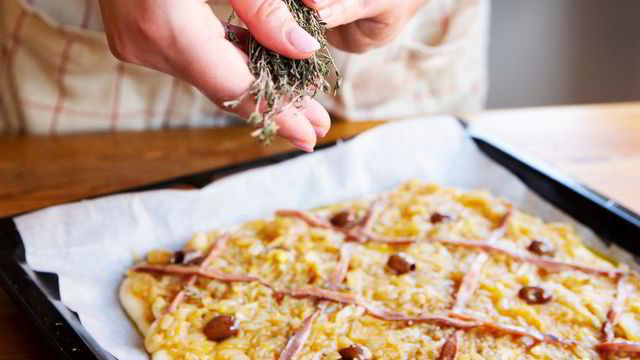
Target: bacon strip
[
  {"x": 374, "y": 237},
  {"x": 296, "y": 342},
  {"x": 450, "y": 348},
  {"x": 622, "y": 292},
  {"x": 340, "y": 272},
  {"x": 307, "y": 217},
  {"x": 315, "y": 221},
  {"x": 619, "y": 346},
  {"x": 198, "y": 271},
  {"x": 549, "y": 264},
  {"x": 314, "y": 292},
  {"x": 515, "y": 330},
  {"x": 470, "y": 280},
  {"x": 378, "y": 312},
  {"x": 465, "y": 322},
  {"x": 372, "y": 215},
  {"x": 365, "y": 233},
  {"x": 215, "y": 250}
]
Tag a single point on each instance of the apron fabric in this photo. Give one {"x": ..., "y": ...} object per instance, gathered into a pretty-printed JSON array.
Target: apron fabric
[{"x": 57, "y": 74}]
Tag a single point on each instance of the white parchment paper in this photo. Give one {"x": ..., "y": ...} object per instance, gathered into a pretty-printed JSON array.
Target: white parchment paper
[{"x": 90, "y": 244}]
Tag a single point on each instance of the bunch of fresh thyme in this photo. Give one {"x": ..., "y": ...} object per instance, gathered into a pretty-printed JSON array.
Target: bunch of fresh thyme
[{"x": 281, "y": 82}]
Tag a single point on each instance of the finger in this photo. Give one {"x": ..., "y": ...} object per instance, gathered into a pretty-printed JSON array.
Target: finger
[
  {"x": 318, "y": 4},
  {"x": 339, "y": 12},
  {"x": 318, "y": 117},
  {"x": 232, "y": 83},
  {"x": 294, "y": 126},
  {"x": 204, "y": 58},
  {"x": 238, "y": 36},
  {"x": 272, "y": 25},
  {"x": 354, "y": 38}
]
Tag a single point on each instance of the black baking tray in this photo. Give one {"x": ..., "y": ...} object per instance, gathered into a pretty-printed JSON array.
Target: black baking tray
[{"x": 37, "y": 294}]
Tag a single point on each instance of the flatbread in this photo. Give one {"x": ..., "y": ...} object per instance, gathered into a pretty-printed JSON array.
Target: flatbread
[
  {"x": 135, "y": 307},
  {"x": 422, "y": 272}
]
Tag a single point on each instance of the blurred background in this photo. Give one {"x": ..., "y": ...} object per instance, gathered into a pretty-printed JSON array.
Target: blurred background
[{"x": 550, "y": 52}]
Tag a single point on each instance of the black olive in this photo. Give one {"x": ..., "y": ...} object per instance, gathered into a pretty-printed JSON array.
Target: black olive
[
  {"x": 343, "y": 219},
  {"x": 178, "y": 257},
  {"x": 278, "y": 297},
  {"x": 541, "y": 248},
  {"x": 187, "y": 258},
  {"x": 401, "y": 263},
  {"x": 449, "y": 349},
  {"x": 534, "y": 295},
  {"x": 355, "y": 352},
  {"x": 437, "y": 218},
  {"x": 221, "y": 328}
]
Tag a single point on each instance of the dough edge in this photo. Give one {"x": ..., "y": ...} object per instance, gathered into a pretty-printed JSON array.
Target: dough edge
[{"x": 134, "y": 307}]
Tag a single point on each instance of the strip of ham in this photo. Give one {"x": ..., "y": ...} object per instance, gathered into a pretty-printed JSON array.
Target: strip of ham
[
  {"x": 372, "y": 215},
  {"x": 619, "y": 346},
  {"x": 315, "y": 221},
  {"x": 214, "y": 252},
  {"x": 366, "y": 234},
  {"x": 549, "y": 264},
  {"x": 623, "y": 291},
  {"x": 340, "y": 272},
  {"x": 373, "y": 237},
  {"x": 307, "y": 217},
  {"x": 198, "y": 271},
  {"x": 451, "y": 346},
  {"x": 378, "y": 312},
  {"x": 515, "y": 330},
  {"x": 455, "y": 320},
  {"x": 296, "y": 342},
  {"x": 470, "y": 280}
]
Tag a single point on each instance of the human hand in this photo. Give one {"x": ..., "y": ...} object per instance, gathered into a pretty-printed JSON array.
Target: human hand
[
  {"x": 185, "y": 39},
  {"x": 359, "y": 25}
]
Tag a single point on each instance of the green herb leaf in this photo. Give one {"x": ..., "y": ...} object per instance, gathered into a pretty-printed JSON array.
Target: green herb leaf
[{"x": 281, "y": 82}]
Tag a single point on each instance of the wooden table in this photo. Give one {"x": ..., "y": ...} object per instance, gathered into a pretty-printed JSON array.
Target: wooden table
[{"x": 598, "y": 144}]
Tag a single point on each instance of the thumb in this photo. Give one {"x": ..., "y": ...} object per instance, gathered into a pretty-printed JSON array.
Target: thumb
[
  {"x": 203, "y": 57},
  {"x": 272, "y": 25}
]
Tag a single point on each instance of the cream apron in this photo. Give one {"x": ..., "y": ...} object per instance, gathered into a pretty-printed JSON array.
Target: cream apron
[{"x": 58, "y": 76}]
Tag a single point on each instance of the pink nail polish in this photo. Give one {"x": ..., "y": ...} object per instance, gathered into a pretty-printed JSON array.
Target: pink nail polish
[
  {"x": 301, "y": 40},
  {"x": 302, "y": 146}
]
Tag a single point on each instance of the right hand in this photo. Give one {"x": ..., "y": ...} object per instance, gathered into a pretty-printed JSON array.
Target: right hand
[{"x": 185, "y": 39}]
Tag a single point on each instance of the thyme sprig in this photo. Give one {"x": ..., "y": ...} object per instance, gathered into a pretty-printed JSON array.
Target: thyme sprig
[{"x": 281, "y": 82}]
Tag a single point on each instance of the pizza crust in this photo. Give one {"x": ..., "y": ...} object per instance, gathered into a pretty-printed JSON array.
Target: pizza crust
[{"x": 134, "y": 307}]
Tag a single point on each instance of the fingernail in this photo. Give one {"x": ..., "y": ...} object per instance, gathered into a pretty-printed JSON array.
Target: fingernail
[
  {"x": 303, "y": 146},
  {"x": 301, "y": 40},
  {"x": 325, "y": 13},
  {"x": 320, "y": 131},
  {"x": 317, "y": 1}
]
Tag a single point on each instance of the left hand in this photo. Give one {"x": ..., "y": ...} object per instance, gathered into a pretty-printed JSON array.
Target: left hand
[{"x": 359, "y": 25}]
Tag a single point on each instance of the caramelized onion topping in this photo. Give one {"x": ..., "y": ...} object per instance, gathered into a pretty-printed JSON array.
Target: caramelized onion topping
[
  {"x": 534, "y": 295},
  {"x": 401, "y": 263}
]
